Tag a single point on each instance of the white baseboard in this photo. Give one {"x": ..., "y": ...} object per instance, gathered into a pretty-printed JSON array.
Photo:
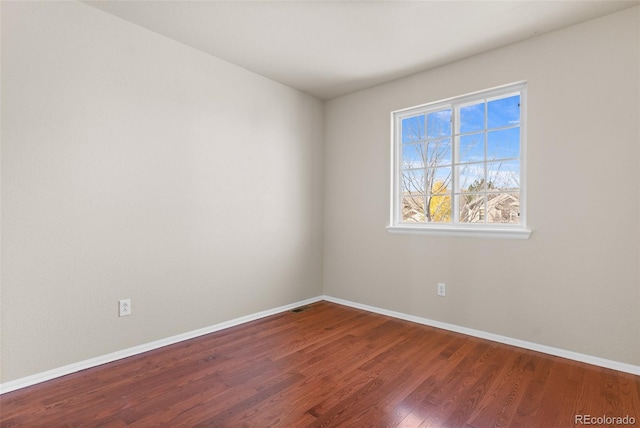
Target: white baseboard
[
  {"x": 589, "y": 359},
  {"x": 97, "y": 361}
]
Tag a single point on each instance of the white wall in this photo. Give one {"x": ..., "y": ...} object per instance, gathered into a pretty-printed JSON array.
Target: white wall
[
  {"x": 575, "y": 284},
  {"x": 133, "y": 166}
]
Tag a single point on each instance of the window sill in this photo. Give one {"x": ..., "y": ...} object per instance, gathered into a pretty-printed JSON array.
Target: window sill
[{"x": 464, "y": 232}]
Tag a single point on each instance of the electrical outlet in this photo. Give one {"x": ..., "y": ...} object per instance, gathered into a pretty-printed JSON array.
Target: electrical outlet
[
  {"x": 442, "y": 289},
  {"x": 124, "y": 307}
]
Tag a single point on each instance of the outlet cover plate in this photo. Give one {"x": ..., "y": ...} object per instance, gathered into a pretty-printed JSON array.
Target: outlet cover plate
[{"x": 124, "y": 307}]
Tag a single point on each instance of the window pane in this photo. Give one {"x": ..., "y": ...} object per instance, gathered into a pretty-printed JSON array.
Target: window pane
[
  {"x": 472, "y": 118},
  {"x": 413, "y": 181},
  {"x": 472, "y": 209},
  {"x": 413, "y": 209},
  {"x": 439, "y": 209},
  {"x": 413, "y": 156},
  {"x": 471, "y": 148},
  {"x": 503, "y": 175},
  {"x": 439, "y": 152},
  {"x": 459, "y": 162},
  {"x": 438, "y": 180},
  {"x": 439, "y": 124},
  {"x": 504, "y": 112},
  {"x": 503, "y": 208},
  {"x": 503, "y": 144},
  {"x": 470, "y": 177},
  {"x": 413, "y": 129}
]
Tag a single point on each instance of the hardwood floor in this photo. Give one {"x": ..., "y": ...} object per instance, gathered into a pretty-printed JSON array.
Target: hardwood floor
[{"x": 329, "y": 366}]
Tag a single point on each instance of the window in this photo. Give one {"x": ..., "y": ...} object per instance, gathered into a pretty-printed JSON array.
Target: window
[{"x": 458, "y": 166}]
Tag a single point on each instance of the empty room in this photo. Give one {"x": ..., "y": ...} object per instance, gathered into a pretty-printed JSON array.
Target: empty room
[{"x": 320, "y": 213}]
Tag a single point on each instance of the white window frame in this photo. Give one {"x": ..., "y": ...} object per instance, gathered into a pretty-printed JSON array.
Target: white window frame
[{"x": 482, "y": 230}]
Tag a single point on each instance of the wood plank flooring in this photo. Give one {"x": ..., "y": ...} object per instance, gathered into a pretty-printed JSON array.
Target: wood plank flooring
[{"x": 329, "y": 366}]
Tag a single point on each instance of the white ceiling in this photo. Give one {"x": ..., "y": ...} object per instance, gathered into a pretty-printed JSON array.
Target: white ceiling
[{"x": 331, "y": 48}]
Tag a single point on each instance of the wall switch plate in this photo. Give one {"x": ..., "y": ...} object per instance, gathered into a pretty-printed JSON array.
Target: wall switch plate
[
  {"x": 124, "y": 307},
  {"x": 442, "y": 289}
]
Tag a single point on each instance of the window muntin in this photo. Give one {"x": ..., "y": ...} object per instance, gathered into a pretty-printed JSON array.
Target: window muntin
[{"x": 459, "y": 163}]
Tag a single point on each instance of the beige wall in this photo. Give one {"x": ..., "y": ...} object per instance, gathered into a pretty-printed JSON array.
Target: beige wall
[
  {"x": 135, "y": 167},
  {"x": 575, "y": 284}
]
